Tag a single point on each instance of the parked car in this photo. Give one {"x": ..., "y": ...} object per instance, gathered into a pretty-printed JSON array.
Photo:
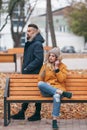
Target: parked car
[
  {"x": 84, "y": 51},
  {"x": 68, "y": 49}
]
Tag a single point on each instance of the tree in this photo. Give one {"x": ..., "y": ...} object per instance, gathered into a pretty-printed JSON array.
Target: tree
[
  {"x": 0, "y": 4},
  {"x": 50, "y": 23},
  {"x": 78, "y": 19},
  {"x": 21, "y": 17},
  {"x": 8, "y": 11}
]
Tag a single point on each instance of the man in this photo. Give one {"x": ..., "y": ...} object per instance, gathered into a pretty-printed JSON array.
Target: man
[{"x": 32, "y": 63}]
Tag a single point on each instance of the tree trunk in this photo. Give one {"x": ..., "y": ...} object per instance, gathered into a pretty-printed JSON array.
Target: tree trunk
[
  {"x": 50, "y": 21},
  {"x": 46, "y": 28}
]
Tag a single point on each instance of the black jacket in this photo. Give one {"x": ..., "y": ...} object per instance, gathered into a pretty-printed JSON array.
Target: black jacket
[{"x": 33, "y": 55}]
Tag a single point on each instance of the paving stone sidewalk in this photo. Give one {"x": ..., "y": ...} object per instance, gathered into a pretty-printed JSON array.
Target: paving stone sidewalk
[{"x": 45, "y": 124}]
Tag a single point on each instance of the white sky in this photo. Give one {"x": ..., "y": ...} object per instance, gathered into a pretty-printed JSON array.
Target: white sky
[
  {"x": 41, "y": 4},
  {"x": 55, "y": 3}
]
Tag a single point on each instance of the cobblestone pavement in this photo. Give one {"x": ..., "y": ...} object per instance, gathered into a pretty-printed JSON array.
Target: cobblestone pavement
[{"x": 45, "y": 124}]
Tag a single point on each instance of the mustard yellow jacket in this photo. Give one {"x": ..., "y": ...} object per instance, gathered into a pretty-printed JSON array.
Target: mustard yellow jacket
[{"x": 55, "y": 79}]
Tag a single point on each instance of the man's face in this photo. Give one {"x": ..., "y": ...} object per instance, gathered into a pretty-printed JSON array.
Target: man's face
[{"x": 30, "y": 32}]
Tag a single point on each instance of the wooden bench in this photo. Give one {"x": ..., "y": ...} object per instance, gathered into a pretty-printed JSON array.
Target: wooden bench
[
  {"x": 17, "y": 50},
  {"x": 8, "y": 58},
  {"x": 23, "y": 88}
]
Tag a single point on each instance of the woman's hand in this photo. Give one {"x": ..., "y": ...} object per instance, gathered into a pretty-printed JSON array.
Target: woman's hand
[{"x": 56, "y": 64}]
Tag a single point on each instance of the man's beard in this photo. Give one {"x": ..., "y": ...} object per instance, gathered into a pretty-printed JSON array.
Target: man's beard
[{"x": 28, "y": 38}]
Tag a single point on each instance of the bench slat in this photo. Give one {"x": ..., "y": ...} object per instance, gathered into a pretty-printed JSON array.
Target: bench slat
[
  {"x": 77, "y": 76},
  {"x": 36, "y": 80},
  {"x": 71, "y": 88},
  {"x": 23, "y": 80},
  {"x": 38, "y": 92},
  {"x": 79, "y": 92},
  {"x": 6, "y": 58},
  {"x": 23, "y": 88},
  {"x": 30, "y": 88},
  {"x": 76, "y": 84},
  {"x": 24, "y": 76},
  {"x": 36, "y": 88},
  {"x": 24, "y": 93},
  {"x": 43, "y": 98},
  {"x": 35, "y": 84},
  {"x": 23, "y": 85},
  {"x": 77, "y": 80},
  {"x": 70, "y": 76}
]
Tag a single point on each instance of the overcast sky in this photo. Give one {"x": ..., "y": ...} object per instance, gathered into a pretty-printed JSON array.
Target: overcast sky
[
  {"x": 55, "y": 3},
  {"x": 41, "y": 4}
]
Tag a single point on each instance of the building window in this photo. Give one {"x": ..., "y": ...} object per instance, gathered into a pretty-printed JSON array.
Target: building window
[
  {"x": 19, "y": 15},
  {"x": 23, "y": 39},
  {"x": 62, "y": 28}
]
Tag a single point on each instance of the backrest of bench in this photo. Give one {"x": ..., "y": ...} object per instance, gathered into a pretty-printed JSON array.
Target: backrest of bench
[
  {"x": 26, "y": 85},
  {"x": 47, "y": 48},
  {"x": 7, "y": 57},
  {"x": 77, "y": 84},
  {"x": 21, "y": 50},
  {"x": 16, "y": 50}
]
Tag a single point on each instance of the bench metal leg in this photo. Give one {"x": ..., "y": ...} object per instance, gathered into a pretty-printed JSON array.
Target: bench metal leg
[
  {"x": 6, "y": 112},
  {"x": 9, "y": 111}
]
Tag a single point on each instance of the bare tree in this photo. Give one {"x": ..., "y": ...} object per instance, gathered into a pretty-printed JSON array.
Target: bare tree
[
  {"x": 8, "y": 12},
  {"x": 22, "y": 17},
  {"x": 0, "y": 4},
  {"x": 46, "y": 28},
  {"x": 50, "y": 22}
]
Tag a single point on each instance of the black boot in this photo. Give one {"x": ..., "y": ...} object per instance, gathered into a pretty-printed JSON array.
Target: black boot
[
  {"x": 36, "y": 115},
  {"x": 21, "y": 114},
  {"x": 67, "y": 94},
  {"x": 54, "y": 125}
]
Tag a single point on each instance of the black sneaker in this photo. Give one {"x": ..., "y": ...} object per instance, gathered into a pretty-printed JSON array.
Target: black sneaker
[
  {"x": 54, "y": 125},
  {"x": 67, "y": 94},
  {"x": 19, "y": 116},
  {"x": 34, "y": 117}
]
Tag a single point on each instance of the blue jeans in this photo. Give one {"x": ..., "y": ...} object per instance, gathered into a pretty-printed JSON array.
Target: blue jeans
[{"x": 49, "y": 91}]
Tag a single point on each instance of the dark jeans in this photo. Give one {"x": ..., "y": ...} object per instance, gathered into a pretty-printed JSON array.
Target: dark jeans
[{"x": 38, "y": 107}]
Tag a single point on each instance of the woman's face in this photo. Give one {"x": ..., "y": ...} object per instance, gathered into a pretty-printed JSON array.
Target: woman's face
[{"x": 52, "y": 58}]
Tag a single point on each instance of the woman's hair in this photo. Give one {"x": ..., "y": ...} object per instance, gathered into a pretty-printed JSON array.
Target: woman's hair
[{"x": 57, "y": 53}]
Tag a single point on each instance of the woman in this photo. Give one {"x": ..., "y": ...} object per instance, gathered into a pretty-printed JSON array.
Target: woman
[{"x": 51, "y": 81}]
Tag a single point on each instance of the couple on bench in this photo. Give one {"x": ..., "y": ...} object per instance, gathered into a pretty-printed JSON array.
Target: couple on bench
[{"x": 52, "y": 74}]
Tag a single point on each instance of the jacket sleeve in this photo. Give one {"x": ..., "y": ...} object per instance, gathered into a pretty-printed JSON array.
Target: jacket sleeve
[
  {"x": 38, "y": 60},
  {"x": 42, "y": 74},
  {"x": 62, "y": 74}
]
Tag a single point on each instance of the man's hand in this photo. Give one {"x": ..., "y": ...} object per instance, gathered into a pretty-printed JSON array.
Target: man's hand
[{"x": 25, "y": 68}]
